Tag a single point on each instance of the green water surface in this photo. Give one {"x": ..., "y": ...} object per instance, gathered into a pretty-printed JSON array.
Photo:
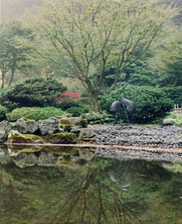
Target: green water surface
[{"x": 96, "y": 191}]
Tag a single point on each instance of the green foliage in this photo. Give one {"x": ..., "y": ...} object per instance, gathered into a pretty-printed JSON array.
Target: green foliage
[
  {"x": 142, "y": 80},
  {"x": 149, "y": 103},
  {"x": 98, "y": 118},
  {"x": 174, "y": 93},
  {"x": 168, "y": 60},
  {"x": 34, "y": 113},
  {"x": 3, "y": 112},
  {"x": 177, "y": 117},
  {"x": 105, "y": 33},
  {"x": 31, "y": 93},
  {"x": 13, "y": 56},
  {"x": 78, "y": 106},
  {"x": 68, "y": 103},
  {"x": 75, "y": 111}
]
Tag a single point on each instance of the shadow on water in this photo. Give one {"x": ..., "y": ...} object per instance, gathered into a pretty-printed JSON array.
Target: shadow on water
[{"x": 74, "y": 186}]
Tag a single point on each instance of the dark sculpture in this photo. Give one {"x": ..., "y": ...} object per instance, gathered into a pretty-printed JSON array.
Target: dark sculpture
[{"x": 128, "y": 105}]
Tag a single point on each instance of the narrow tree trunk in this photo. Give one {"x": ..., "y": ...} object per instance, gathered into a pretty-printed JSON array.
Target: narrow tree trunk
[
  {"x": 93, "y": 94},
  {"x": 2, "y": 79},
  {"x": 102, "y": 76},
  {"x": 12, "y": 75},
  {"x": 102, "y": 83}
]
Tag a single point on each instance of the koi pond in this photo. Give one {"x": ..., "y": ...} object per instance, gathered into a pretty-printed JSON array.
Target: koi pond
[{"x": 79, "y": 186}]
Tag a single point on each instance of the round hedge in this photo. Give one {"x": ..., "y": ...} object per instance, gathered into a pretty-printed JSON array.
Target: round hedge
[
  {"x": 150, "y": 103},
  {"x": 35, "y": 92}
]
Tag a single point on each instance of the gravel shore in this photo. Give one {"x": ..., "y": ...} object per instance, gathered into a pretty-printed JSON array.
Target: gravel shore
[
  {"x": 140, "y": 142},
  {"x": 168, "y": 136}
]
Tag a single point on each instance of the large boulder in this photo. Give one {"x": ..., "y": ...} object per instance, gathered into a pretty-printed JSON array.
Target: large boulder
[
  {"x": 74, "y": 121},
  {"x": 5, "y": 126},
  {"x": 60, "y": 138},
  {"x": 17, "y": 137},
  {"x": 49, "y": 126},
  {"x": 3, "y": 136},
  {"x": 55, "y": 138},
  {"x": 166, "y": 122},
  {"x": 26, "y": 126}
]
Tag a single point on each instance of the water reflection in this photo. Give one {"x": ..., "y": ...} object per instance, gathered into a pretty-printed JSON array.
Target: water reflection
[{"x": 73, "y": 186}]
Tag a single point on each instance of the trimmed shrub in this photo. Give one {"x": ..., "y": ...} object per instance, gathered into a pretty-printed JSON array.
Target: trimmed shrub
[
  {"x": 34, "y": 113},
  {"x": 3, "y": 112},
  {"x": 36, "y": 92},
  {"x": 150, "y": 103}
]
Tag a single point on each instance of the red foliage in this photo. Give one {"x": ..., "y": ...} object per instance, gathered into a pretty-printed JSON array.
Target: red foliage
[{"x": 68, "y": 95}]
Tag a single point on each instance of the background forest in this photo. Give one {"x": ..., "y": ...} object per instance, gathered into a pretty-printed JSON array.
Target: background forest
[{"x": 51, "y": 48}]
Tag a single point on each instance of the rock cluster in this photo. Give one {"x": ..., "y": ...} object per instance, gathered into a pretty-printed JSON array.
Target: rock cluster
[{"x": 52, "y": 130}]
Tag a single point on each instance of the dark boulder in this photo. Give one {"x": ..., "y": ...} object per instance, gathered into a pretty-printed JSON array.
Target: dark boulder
[
  {"x": 49, "y": 126},
  {"x": 5, "y": 126},
  {"x": 26, "y": 126},
  {"x": 3, "y": 136}
]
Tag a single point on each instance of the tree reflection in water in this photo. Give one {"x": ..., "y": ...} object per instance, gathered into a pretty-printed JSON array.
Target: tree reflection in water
[
  {"x": 94, "y": 200},
  {"x": 101, "y": 191}
]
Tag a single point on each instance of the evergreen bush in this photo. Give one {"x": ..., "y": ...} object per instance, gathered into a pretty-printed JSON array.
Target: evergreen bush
[
  {"x": 3, "y": 112},
  {"x": 150, "y": 103},
  {"x": 35, "y": 92}
]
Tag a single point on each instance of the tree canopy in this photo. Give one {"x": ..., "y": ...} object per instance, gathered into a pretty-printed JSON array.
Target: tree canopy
[
  {"x": 13, "y": 56},
  {"x": 84, "y": 36}
]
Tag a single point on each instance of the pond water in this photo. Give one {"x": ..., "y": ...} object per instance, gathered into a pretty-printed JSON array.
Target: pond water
[{"x": 73, "y": 186}]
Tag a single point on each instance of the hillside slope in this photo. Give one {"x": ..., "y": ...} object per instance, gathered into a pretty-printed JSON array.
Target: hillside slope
[{"x": 13, "y": 9}]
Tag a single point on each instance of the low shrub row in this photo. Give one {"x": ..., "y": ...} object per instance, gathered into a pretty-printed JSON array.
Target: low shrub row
[
  {"x": 34, "y": 113},
  {"x": 35, "y": 99}
]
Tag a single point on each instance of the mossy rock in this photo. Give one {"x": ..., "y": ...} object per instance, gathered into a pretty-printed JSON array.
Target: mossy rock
[
  {"x": 87, "y": 133},
  {"x": 60, "y": 138},
  {"x": 83, "y": 123},
  {"x": 16, "y": 137},
  {"x": 74, "y": 121},
  {"x": 78, "y": 121},
  {"x": 29, "y": 121},
  {"x": 88, "y": 139},
  {"x": 65, "y": 121},
  {"x": 57, "y": 138},
  {"x": 66, "y": 127}
]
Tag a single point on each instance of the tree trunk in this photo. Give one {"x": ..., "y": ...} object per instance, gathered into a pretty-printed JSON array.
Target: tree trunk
[
  {"x": 93, "y": 95},
  {"x": 12, "y": 76},
  {"x": 2, "y": 79}
]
